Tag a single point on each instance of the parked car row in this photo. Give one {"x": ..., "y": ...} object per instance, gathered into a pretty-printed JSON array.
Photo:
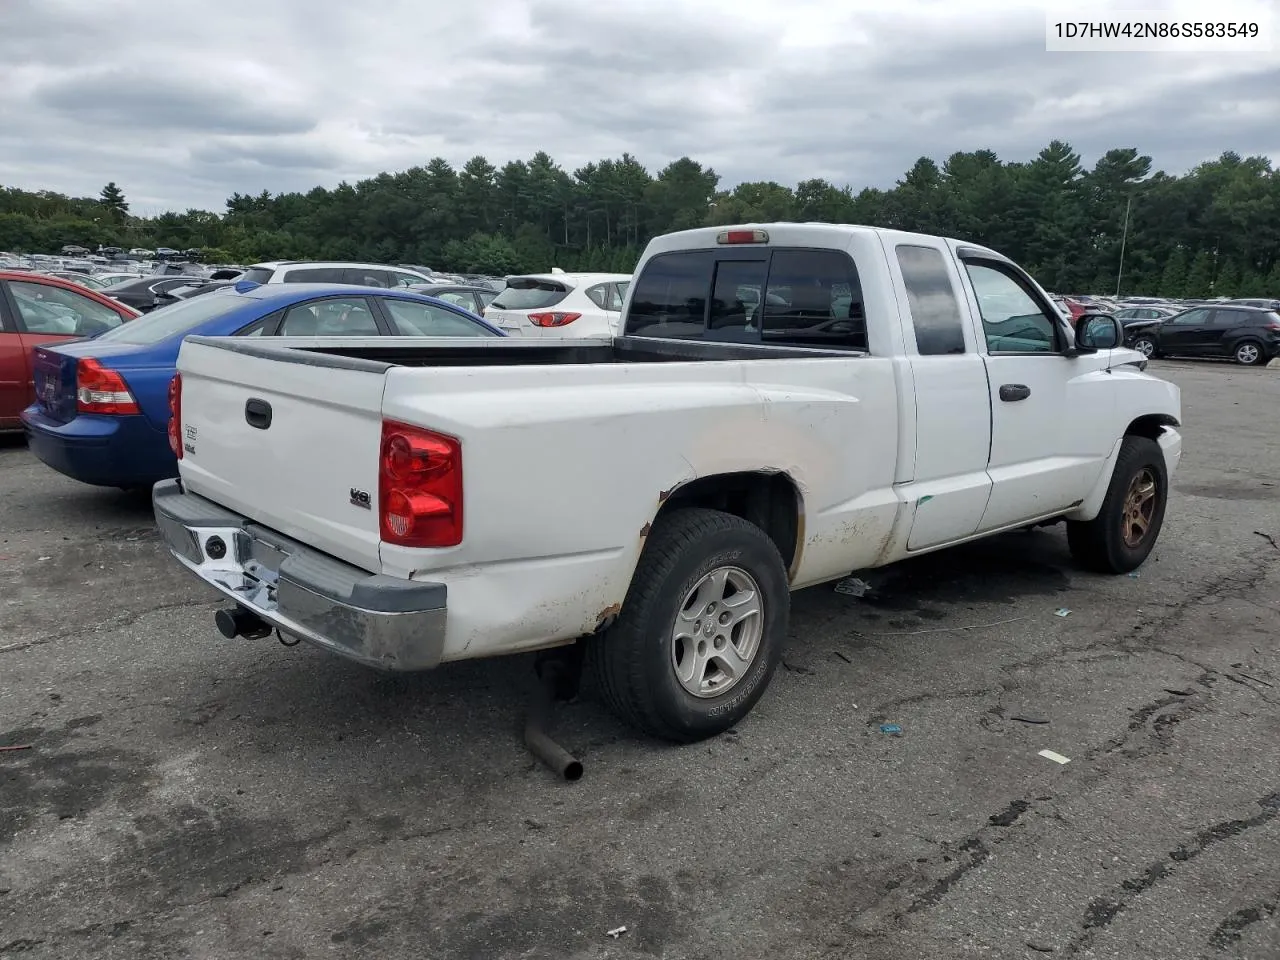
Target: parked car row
[{"x": 1250, "y": 335}]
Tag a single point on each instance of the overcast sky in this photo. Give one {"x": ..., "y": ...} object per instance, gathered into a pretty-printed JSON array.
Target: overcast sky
[{"x": 182, "y": 102}]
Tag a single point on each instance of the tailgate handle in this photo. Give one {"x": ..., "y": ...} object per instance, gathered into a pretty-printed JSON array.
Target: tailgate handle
[{"x": 257, "y": 413}]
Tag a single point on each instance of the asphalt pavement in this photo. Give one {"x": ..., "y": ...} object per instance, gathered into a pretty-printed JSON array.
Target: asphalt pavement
[{"x": 188, "y": 796}]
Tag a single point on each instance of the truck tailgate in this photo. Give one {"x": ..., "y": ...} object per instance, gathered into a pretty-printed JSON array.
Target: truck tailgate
[{"x": 292, "y": 445}]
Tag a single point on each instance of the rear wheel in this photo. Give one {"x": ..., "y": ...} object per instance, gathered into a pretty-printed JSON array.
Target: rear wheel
[
  {"x": 1121, "y": 537},
  {"x": 1249, "y": 353},
  {"x": 701, "y": 630}
]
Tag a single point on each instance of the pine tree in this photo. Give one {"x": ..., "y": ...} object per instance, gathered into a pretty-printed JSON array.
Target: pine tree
[
  {"x": 1173, "y": 281},
  {"x": 1227, "y": 282},
  {"x": 112, "y": 197},
  {"x": 1200, "y": 277}
]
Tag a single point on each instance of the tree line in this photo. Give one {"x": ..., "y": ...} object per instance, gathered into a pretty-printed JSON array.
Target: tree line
[{"x": 1214, "y": 231}]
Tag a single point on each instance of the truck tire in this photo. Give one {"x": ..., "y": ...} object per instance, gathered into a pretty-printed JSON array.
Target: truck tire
[
  {"x": 701, "y": 629},
  {"x": 1120, "y": 538}
]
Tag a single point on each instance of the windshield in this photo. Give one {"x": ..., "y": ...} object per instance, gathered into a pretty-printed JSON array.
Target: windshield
[{"x": 171, "y": 321}]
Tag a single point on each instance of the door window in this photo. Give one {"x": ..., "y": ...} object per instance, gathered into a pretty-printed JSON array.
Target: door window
[
  {"x": 463, "y": 300},
  {"x": 51, "y": 310},
  {"x": 404, "y": 279},
  {"x": 412, "y": 319},
  {"x": 367, "y": 277},
  {"x": 935, "y": 310},
  {"x": 1223, "y": 319},
  {"x": 1012, "y": 320},
  {"x": 340, "y": 317},
  {"x": 1192, "y": 318}
]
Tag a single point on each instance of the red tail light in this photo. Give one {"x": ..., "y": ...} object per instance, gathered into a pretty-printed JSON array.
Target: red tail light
[
  {"x": 99, "y": 390},
  {"x": 555, "y": 319},
  {"x": 175, "y": 415},
  {"x": 419, "y": 487}
]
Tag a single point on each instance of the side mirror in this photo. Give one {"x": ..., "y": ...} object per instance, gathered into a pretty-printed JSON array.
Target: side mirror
[{"x": 1098, "y": 331}]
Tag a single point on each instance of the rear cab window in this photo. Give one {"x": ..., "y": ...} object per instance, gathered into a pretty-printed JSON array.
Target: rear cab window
[
  {"x": 776, "y": 296},
  {"x": 529, "y": 293}
]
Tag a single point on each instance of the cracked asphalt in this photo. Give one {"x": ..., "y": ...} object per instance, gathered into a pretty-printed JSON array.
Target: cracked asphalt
[{"x": 188, "y": 796}]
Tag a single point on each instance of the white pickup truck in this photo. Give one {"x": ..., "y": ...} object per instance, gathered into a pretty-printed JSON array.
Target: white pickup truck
[{"x": 788, "y": 403}]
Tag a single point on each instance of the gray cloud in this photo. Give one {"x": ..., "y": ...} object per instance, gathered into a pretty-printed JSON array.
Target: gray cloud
[
  {"x": 240, "y": 96},
  {"x": 137, "y": 98}
]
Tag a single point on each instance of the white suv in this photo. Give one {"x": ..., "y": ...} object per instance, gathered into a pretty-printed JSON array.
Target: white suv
[
  {"x": 312, "y": 271},
  {"x": 559, "y": 304}
]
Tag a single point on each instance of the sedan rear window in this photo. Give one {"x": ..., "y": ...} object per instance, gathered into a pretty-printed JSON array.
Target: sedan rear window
[
  {"x": 529, "y": 293},
  {"x": 171, "y": 321}
]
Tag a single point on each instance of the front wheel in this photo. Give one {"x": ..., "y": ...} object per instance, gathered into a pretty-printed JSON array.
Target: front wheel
[
  {"x": 701, "y": 630},
  {"x": 1145, "y": 345},
  {"x": 1121, "y": 537},
  {"x": 1249, "y": 353}
]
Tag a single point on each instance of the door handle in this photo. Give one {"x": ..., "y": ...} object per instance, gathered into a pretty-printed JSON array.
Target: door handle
[
  {"x": 257, "y": 413},
  {"x": 1010, "y": 392}
]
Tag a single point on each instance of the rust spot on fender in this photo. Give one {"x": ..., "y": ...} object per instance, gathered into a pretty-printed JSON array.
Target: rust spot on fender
[
  {"x": 608, "y": 615},
  {"x": 644, "y": 531},
  {"x": 664, "y": 495}
]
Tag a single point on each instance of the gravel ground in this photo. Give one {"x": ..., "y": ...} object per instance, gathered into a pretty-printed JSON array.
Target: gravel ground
[{"x": 188, "y": 796}]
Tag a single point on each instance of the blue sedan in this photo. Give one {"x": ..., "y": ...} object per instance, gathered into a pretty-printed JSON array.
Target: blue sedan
[{"x": 102, "y": 408}]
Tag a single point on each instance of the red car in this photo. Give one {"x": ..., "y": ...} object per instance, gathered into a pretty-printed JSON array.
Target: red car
[{"x": 36, "y": 309}]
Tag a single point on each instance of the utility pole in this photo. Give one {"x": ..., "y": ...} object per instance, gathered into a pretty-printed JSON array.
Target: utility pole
[{"x": 1124, "y": 236}]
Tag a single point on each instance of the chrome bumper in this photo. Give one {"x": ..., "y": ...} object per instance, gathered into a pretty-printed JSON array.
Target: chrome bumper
[{"x": 380, "y": 621}]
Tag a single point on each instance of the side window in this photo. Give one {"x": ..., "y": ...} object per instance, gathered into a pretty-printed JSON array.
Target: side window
[
  {"x": 52, "y": 310},
  {"x": 486, "y": 297},
  {"x": 670, "y": 298},
  {"x": 462, "y": 300},
  {"x": 814, "y": 299},
  {"x": 935, "y": 311},
  {"x": 615, "y": 292},
  {"x": 367, "y": 277},
  {"x": 1223, "y": 319},
  {"x": 340, "y": 317},
  {"x": 734, "y": 300},
  {"x": 404, "y": 279},
  {"x": 1011, "y": 318},
  {"x": 423, "y": 320},
  {"x": 598, "y": 295},
  {"x": 314, "y": 275},
  {"x": 1192, "y": 318}
]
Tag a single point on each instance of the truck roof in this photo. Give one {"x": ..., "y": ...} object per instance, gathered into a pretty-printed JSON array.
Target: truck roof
[{"x": 795, "y": 234}]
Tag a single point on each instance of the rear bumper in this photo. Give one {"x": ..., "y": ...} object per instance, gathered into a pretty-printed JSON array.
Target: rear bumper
[
  {"x": 106, "y": 451},
  {"x": 380, "y": 621}
]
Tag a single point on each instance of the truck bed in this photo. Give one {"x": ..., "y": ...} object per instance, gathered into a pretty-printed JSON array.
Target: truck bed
[{"x": 466, "y": 352}]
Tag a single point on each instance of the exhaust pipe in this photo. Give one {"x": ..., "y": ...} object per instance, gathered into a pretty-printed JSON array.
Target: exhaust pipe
[
  {"x": 536, "y": 738},
  {"x": 235, "y": 622}
]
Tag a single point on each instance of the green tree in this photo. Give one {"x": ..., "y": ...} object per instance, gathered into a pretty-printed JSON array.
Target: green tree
[
  {"x": 1200, "y": 277},
  {"x": 1173, "y": 281},
  {"x": 112, "y": 199}
]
